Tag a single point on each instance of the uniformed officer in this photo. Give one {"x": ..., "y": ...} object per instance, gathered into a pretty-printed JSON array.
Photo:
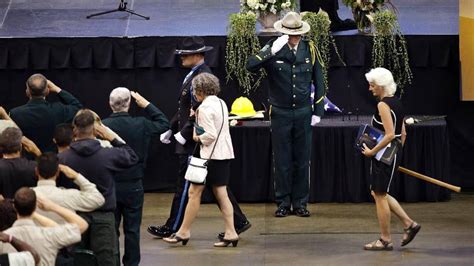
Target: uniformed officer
[
  {"x": 290, "y": 62},
  {"x": 192, "y": 56}
]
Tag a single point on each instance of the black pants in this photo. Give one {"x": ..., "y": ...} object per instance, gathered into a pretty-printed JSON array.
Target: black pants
[
  {"x": 129, "y": 209},
  {"x": 180, "y": 200},
  {"x": 101, "y": 237}
]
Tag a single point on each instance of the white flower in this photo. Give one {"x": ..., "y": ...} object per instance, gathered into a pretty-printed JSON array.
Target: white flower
[
  {"x": 263, "y": 6},
  {"x": 271, "y": 1},
  {"x": 273, "y": 9},
  {"x": 253, "y": 4}
]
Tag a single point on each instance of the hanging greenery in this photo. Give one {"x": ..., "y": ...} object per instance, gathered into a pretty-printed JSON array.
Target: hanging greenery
[
  {"x": 390, "y": 49},
  {"x": 320, "y": 35},
  {"x": 242, "y": 42}
]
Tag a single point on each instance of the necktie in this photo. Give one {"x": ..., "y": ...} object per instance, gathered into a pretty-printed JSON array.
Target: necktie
[
  {"x": 187, "y": 76},
  {"x": 293, "y": 55}
]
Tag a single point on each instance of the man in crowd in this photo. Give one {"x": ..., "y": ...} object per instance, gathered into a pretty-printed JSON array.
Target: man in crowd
[
  {"x": 290, "y": 62},
  {"x": 192, "y": 56},
  {"x": 63, "y": 136},
  {"x": 49, "y": 239},
  {"x": 100, "y": 165},
  {"x": 137, "y": 133},
  {"x": 38, "y": 118},
  {"x": 86, "y": 199},
  {"x": 15, "y": 171}
]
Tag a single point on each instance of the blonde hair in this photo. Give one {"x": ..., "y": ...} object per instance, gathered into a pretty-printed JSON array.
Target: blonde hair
[{"x": 382, "y": 77}]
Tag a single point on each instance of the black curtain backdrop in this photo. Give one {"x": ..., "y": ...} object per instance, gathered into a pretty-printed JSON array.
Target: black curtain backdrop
[{"x": 91, "y": 67}]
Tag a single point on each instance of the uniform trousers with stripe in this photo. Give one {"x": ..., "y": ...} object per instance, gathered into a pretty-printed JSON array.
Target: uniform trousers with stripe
[{"x": 180, "y": 200}]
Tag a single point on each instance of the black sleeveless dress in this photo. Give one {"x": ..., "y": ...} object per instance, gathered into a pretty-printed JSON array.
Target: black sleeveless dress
[{"x": 382, "y": 175}]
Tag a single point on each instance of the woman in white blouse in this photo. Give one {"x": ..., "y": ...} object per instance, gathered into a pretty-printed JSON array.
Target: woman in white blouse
[{"x": 212, "y": 129}]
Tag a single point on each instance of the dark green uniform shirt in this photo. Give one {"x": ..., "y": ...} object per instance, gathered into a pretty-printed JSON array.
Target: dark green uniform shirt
[
  {"x": 290, "y": 76},
  {"x": 137, "y": 132}
]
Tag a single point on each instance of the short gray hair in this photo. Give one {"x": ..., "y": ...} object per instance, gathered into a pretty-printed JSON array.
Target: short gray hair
[
  {"x": 382, "y": 77},
  {"x": 206, "y": 84},
  {"x": 119, "y": 99}
]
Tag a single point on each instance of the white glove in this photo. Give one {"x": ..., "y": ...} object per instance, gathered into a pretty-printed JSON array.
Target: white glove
[
  {"x": 314, "y": 120},
  {"x": 179, "y": 138},
  {"x": 279, "y": 43},
  {"x": 165, "y": 137}
]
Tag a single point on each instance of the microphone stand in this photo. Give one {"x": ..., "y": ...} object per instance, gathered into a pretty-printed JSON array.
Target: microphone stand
[{"x": 122, "y": 8}]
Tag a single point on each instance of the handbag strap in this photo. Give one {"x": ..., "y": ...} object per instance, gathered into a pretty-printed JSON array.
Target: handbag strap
[{"x": 218, "y": 135}]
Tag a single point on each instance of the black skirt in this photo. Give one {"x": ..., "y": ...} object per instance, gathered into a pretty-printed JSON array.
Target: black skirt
[
  {"x": 382, "y": 175},
  {"x": 218, "y": 173}
]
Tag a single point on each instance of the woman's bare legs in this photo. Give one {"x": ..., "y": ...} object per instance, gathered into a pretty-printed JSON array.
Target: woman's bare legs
[
  {"x": 227, "y": 211},
  {"x": 383, "y": 214},
  {"x": 194, "y": 202}
]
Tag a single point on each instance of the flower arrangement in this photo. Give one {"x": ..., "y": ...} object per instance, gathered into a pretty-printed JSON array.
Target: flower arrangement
[
  {"x": 390, "y": 49},
  {"x": 320, "y": 35},
  {"x": 266, "y": 6},
  {"x": 362, "y": 9},
  {"x": 242, "y": 42}
]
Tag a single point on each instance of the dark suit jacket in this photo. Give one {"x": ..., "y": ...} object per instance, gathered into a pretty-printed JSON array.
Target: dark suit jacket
[
  {"x": 180, "y": 121},
  {"x": 137, "y": 132},
  {"x": 38, "y": 118}
]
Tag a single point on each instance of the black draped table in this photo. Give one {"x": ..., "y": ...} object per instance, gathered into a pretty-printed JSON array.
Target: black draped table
[{"x": 338, "y": 172}]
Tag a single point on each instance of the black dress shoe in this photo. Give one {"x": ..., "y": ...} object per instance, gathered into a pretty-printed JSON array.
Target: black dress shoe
[
  {"x": 302, "y": 212},
  {"x": 240, "y": 229},
  {"x": 282, "y": 212},
  {"x": 160, "y": 231}
]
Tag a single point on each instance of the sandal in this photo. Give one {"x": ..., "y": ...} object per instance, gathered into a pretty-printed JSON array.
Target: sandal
[
  {"x": 411, "y": 233},
  {"x": 379, "y": 245}
]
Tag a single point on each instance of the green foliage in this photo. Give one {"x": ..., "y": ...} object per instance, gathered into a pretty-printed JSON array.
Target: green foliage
[
  {"x": 390, "y": 50},
  {"x": 322, "y": 39},
  {"x": 242, "y": 42},
  {"x": 362, "y": 9}
]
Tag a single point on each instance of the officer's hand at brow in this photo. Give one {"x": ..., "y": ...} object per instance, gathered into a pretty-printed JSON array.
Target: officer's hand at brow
[
  {"x": 279, "y": 43},
  {"x": 140, "y": 100}
]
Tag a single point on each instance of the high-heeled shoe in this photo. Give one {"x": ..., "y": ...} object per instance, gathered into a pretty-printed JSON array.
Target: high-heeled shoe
[
  {"x": 225, "y": 242},
  {"x": 175, "y": 239}
]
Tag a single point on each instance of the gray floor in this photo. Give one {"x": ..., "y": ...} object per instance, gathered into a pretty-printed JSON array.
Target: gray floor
[
  {"x": 333, "y": 235},
  {"x": 59, "y": 18}
]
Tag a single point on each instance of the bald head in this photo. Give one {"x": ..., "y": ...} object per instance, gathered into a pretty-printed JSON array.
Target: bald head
[
  {"x": 37, "y": 86},
  {"x": 119, "y": 99}
]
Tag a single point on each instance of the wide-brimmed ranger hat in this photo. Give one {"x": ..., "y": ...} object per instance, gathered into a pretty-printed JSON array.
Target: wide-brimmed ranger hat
[
  {"x": 292, "y": 24},
  {"x": 192, "y": 45}
]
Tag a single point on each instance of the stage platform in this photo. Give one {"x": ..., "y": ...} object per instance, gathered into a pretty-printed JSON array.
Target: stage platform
[
  {"x": 58, "y": 18},
  {"x": 90, "y": 57}
]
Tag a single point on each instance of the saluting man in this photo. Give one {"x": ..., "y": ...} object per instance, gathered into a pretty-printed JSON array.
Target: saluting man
[{"x": 290, "y": 62}]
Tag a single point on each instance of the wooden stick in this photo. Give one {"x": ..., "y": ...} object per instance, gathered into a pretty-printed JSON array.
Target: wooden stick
[{"x": 429, "y": 179}]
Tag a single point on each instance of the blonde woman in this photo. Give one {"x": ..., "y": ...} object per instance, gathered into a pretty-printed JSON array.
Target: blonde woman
[
  {"x": 389, "y": 119},
  {"x": 212, "y": 129}
]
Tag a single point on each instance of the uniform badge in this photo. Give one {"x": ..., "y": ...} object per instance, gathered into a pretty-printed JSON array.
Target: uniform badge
[{"x": 265, "y": 48}]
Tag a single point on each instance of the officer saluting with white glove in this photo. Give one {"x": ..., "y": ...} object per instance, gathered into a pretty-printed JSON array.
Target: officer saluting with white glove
[{"x": 290, "y": 62}]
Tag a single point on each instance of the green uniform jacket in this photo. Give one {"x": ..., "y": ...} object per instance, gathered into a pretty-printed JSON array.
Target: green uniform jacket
[
  {"x": 38, "y": 118},
  {"x": 290, "y": 77},
  {"x": 137, "y": 133}
]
